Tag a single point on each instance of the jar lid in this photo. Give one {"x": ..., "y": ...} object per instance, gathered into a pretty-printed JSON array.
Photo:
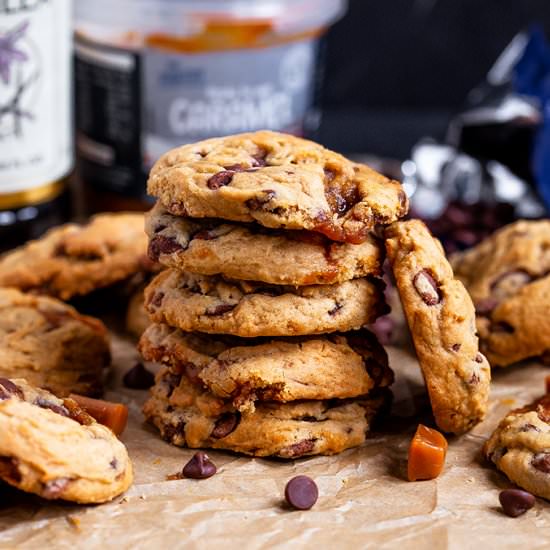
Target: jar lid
[{"x": 179, "y": 17}]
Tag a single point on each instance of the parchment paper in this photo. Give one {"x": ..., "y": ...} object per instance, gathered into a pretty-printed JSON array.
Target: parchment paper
[{"x": 365, "y": 500}]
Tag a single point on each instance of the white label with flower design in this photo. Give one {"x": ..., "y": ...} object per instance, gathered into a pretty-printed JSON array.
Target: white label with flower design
[{"x": 35, "y": 67}]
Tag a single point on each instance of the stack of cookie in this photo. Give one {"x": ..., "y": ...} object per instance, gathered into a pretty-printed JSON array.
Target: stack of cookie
[{"x": 271, "y": 275}]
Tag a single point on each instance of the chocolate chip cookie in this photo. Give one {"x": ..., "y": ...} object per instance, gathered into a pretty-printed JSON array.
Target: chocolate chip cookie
[
  {"x": 246, "y": 371},
  {"x": 53, "y": 448},
  {"x": 51, "y": 345},
  {"x": 441, "y": 318},
  {"x": 188, "y": 416},
  {"x": 507, "y": 276},
  {"x": 73, "y": 260},
  {"x": 279, "y": 181},
  {"x": 251, "y": 252},
  {"x": 213, "y": 304},
  {"x": 520, "y": 447}
]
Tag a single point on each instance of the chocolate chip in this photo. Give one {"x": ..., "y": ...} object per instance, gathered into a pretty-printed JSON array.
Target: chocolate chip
[
  {"x": 272, "y": 291},
  {"x": 199, "y": 467},
  {"x": 259, "y": 202},
  {"x": 225, "y": 424},
  {"x": 172, "y": 381},
  {"x": 53, "y": 488},
  {"x": 485, "y": 307},
  {"x": 177, "y": 209},
  {"x": 541, "y": 462},
  {"x": 114, "y": 464},
  {"x": 301, "y": 492},
  {"x": 337, "y": 307},
  {"x": 479, "y": 358},
  {"x": 236, "y": 168},
  {"x": 307, "y": 418},
  {"x": 138, "y": 378},
  {"x": 192, "y": 371},
  {"x": 55, "y": 319},
  {"x": 529, "y": 428},
  {"x": 219, "y": 309},
  {"x": 383, "y": 328},
  {"x": 259, "y": 159},
  {"x": 502, "y": 326},
  {"x": 298, "y": 449},
  {"x": 474, "y": 379},
  {"x": 341, "y": 199},
  {"x": 426, "y": 287},
  {"x": 160, "y": 244},
  {"x": 156, "y": 299},
  {"x": 329, "y": 174},
  {"x": 509, "y": 283},
  {"x": 205, "y": 235},
  {"x": 221, "y": 179},
  {"x": 8, "y": 388},
  {"x": 45, "y": 404},
  {"x": 169, "y": 431},
  {"x": 516, "y": 502},
  {"x": 455, "y": 347}
]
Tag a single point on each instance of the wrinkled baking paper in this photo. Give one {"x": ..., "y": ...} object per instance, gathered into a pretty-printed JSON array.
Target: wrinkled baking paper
[{"x": 365, "y": 500}]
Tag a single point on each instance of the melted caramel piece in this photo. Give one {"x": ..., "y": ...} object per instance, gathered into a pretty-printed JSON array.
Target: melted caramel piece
[
  {"x": 112, "y": 415},
  {"x": 426, "y": 454}
]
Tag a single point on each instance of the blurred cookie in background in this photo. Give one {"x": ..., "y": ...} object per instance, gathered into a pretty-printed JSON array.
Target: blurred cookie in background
[{"x": 51, "y": 345}]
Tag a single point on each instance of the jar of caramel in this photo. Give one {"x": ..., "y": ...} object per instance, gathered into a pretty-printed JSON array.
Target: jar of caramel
[
  {"x": 154, "y": 74},
  {"x": 35, "y": 117}
]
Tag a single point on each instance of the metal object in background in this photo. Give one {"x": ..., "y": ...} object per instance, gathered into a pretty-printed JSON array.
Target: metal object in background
[
  {"x": 482, "y": 178},
  {"x": 463, "y": 199}
]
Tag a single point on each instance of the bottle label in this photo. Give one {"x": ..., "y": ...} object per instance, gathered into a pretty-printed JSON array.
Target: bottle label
[
  {"x": 134, "y": 106},
  {"x": 35, "y": 124}
]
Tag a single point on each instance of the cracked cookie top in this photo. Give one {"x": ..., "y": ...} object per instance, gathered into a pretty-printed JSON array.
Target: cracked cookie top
[{"x": 279, "y": 181}]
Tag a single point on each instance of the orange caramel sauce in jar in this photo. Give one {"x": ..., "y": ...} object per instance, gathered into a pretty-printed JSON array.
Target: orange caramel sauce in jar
[{"x": 154, "y": 74}]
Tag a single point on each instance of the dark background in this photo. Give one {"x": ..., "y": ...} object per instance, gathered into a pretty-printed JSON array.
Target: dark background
[{"x": 396, "y": 70}]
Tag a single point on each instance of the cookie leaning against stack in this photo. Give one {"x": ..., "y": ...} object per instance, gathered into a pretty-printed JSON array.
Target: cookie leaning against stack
[{"x": 271, "y": 276}]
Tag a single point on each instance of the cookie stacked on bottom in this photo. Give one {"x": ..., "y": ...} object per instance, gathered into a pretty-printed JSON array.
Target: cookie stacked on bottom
[{"x": 271, "y": 275}]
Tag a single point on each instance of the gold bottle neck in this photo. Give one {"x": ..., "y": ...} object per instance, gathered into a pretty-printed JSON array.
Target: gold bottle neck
[{"x": 36, "y": 195}]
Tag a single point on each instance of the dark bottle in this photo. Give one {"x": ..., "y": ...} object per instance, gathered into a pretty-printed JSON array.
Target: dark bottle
[{"x": 35, "y": 117}]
